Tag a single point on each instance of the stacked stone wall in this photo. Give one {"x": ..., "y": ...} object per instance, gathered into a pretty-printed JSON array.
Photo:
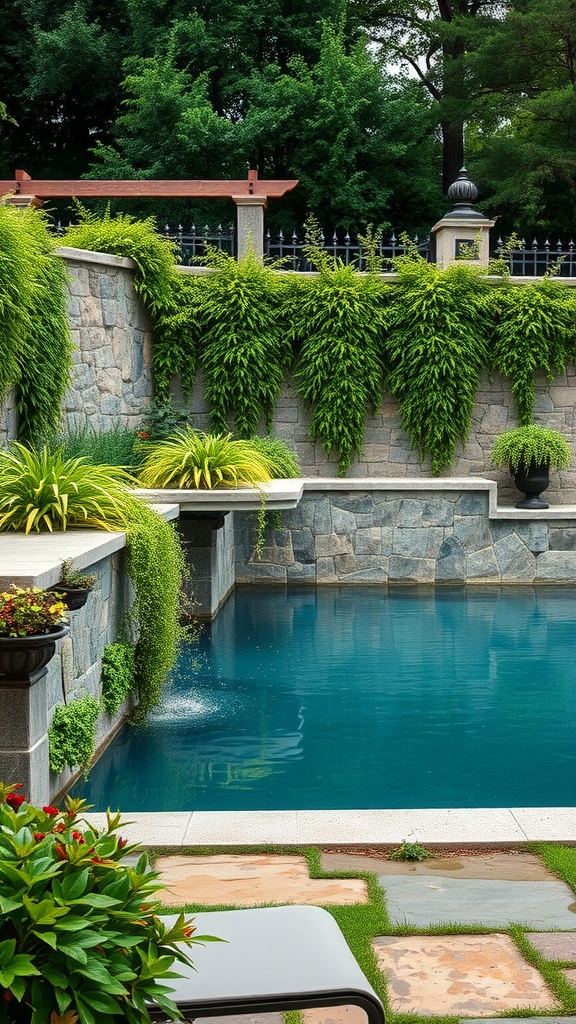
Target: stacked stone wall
[
  {"x": 386, "y": 449},
  {"x": 112, "y": 372},
  {"x": 401, "y": 536}
]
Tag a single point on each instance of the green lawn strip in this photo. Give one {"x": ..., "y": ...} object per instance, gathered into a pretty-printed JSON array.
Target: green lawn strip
[
  {"x": 362, "y": 922},
  {"x": 559, "y": 859},
  {"x": 550, "y": 970}
]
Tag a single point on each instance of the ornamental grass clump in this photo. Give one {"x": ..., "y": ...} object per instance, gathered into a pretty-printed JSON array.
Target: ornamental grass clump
[
  {"x": 44, "y": 491},
  {"x": 80, "y": 935},
  {"x": 531, "y": 445},
  {"x": 192, "y": 459},
  {"x": 40, "y": 490},
  {"x": 30, "y": 611}
]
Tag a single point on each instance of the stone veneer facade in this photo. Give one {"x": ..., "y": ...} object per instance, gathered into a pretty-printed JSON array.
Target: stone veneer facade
[{"x": 382, "y": 536}]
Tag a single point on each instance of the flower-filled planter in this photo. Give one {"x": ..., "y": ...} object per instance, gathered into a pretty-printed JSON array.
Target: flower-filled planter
[{"x": 31, "y": 621}]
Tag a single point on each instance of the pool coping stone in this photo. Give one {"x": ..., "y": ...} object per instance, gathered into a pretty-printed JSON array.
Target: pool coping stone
[{"x": 454, "y": 826}]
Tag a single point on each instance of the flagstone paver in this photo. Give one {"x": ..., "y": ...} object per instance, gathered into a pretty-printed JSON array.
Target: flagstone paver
[
  {"x": 249, "y": 879},
  {"x": 519, "y": 867},
  {"x": 494, "y": 903},
  {"x": 431, "y": 975},
  {"x": 335, "y": 1015},
  {"x": 570, "y": 975},
  {"x": 554, "y": 945}
]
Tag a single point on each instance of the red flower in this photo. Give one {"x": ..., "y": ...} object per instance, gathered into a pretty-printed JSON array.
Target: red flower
[
  {"x": 15, "y": 800},
  {"x": 61, "y": 851},
  {"x": 98, "y": 860},
  {"x": 144, "y": 435},
  {"x": 188, "y": 931},
  {"x": 59, "y": 828},
  {"x": 38, "y": 836},
  {"x": 50, "y": 810},
  {"x": 122, "y": 843},
  {"x": 78, "y": 837}
]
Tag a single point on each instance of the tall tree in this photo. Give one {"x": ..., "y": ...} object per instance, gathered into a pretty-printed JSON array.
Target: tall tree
[{"x": 435, "y": 39}]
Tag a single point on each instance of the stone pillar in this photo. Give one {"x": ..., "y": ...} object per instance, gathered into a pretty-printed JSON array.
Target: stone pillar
[
  {"x": 250, "y": 228},
  {"x": 208, "y": 540},
  {"x": 24, "y": 742},
  {"x": 464, "y": 233}
]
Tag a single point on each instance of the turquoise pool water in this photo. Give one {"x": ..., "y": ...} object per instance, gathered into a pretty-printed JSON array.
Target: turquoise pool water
[{"x": 351, "y": 697}]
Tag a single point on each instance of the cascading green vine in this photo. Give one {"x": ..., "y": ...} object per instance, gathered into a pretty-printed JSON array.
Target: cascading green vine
[
  {"x": 34, "y": 327},
  {"x": 337, "y": 319},
  {"x": 118, "y": 675},
  {"x": 156, "y": 565},
  {"x": 535, "y": 331},
  {"x": 436, "y": 348},
  {"x": 72, "y": 734},
  {"x": 244, "y": 348}
]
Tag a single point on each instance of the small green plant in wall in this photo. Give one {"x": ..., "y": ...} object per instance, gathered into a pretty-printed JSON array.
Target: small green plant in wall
[{"x": 72, "y": 734}]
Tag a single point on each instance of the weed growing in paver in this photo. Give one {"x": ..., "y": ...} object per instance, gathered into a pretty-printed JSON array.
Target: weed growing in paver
[
  {"x": 410, "y": 851},
  {"x": 560, "y": 859}
]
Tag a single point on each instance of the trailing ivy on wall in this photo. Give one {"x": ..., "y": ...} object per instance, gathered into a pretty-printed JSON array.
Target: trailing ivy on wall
[
  {"x": 34, "y": 330},
  {"x": 337, "y": 320},
  {"x": 244, "y": 348},
  {"x": 72, "y": 734},
  {"x": 436, "y": 348},
  {"x": 118, "y": 675},
  {"x": 156, "y": 565},
  {"x": 535, "y": 331}
]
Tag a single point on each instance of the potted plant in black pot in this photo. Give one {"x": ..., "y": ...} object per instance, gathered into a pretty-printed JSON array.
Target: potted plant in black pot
[
  {"x": 74, "y": 586},
  {"x": 31, "y": 621},
  {"x": 530, "y": 452}
]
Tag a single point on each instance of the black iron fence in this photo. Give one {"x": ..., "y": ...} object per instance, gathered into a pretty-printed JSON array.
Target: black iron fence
[
  {"x": 192, "y": 243},
  {"x": 342, "y": 246},
  {"x": 538, "y": 259}
]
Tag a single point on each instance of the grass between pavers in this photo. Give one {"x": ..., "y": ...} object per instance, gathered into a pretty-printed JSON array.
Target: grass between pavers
[{"x": 362, "y": 922}]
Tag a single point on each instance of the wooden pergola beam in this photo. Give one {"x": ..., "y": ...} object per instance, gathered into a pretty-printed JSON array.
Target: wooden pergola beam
[{"x": 265, "y": 188}]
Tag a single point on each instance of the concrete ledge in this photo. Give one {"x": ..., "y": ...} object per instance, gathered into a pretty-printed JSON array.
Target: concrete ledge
[
  {"x": 67, "y": 252},
  {"x": 278, "y": 493},
  {"x": 445, "y": 826},
  {"x": 35, "y": 559}
]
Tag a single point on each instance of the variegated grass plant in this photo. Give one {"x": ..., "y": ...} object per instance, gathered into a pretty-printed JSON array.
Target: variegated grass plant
[
  {"x": 45, "y": 491},
  {"x": 192, "y": 459}
]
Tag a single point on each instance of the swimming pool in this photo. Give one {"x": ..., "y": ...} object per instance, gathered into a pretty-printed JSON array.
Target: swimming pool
[{"x": 362, "y": 697}]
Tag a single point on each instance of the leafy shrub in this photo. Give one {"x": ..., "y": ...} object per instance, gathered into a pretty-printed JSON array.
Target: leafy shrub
[
  {"x": 80, "y": 935},
  {"x": 193, "y": 459},
  {"x": 40, "y": 490},
  {"x": 282, "y": 461},
  {"x": 111, "y": 447},
  {"x": 410, "y": 851},
  {"x": 72, "y": 734}
]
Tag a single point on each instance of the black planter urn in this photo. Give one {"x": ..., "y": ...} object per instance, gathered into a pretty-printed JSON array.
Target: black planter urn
[
  {"x": 24, "y": 657},
  {"x": 74, "y": 597},
  {"x": 532, "y": 480}
]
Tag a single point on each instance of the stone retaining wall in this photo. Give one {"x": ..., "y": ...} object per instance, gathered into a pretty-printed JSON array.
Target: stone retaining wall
[
  {"x": 112, "y": 375},
  {"x": 386, "y": 450},
  {"x": 392, "y": 536}
]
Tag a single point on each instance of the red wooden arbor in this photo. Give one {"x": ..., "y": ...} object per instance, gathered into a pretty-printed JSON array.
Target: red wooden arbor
[{"x": 260, "y": 188}]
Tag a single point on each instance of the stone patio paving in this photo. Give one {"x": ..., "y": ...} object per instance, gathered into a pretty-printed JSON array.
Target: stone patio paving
[{"x": 427, "y": 975}]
